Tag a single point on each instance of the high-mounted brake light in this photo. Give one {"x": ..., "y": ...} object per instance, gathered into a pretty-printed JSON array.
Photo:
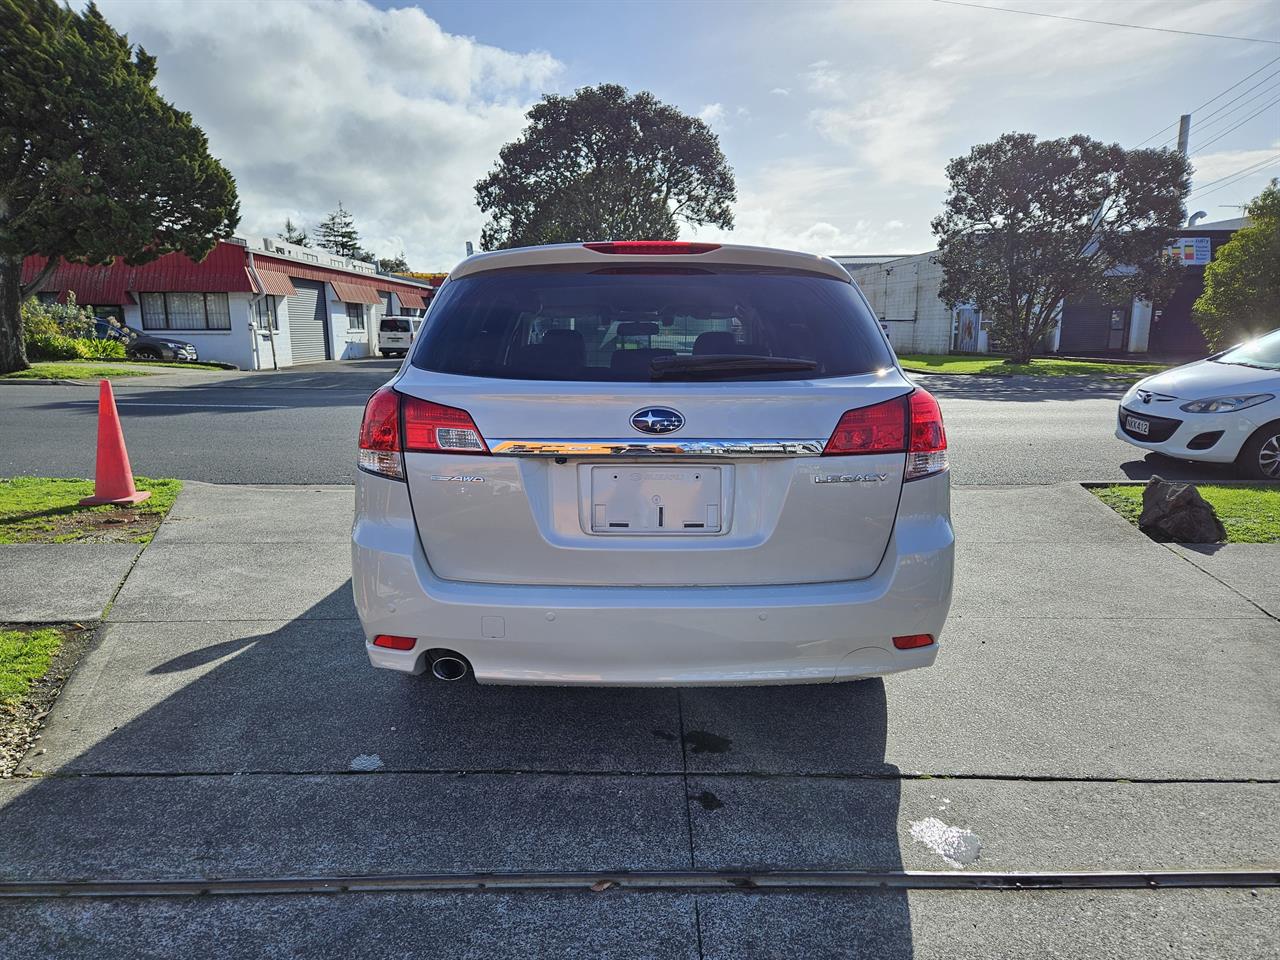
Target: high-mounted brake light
[
  {"x": 910, "y": 424},
  {"x": 394, "y": 424},
  {"x": 652, "y": 248}
]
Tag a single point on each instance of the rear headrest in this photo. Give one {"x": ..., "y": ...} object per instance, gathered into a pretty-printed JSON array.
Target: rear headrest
[
  {"x": 637, "y": 328},
  {"x": 567, "y": 342},
  {"x": 715, "y": 341},
  {"x": 632, "y": 362}
]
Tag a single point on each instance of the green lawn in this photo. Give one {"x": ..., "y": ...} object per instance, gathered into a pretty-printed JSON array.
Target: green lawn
[
  {"x": 24, "y": 658},
  {"x": 995, "y": 366},
  {"x": 99, "y": 369},
  {"x": 44, "y": 510},
  {"x": 1251, "y": 514}
]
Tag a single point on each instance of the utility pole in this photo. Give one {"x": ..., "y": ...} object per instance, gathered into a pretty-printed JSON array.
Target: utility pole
[{"x": 1184, "y": 133}]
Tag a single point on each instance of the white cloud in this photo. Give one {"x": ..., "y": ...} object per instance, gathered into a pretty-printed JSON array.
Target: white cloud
[
  {"x": 803, "y": 206},
  {"x": 712, "y": 113},
  {"x": 824, "y": 79},
  {"x": 780, "y": 92},
  {"x": 314, "y": 103},
  {"x": 1212, "y": 166}
]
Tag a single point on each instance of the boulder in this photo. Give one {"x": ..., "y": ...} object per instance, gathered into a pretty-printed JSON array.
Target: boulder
[{"x": 1177, "y": 512}]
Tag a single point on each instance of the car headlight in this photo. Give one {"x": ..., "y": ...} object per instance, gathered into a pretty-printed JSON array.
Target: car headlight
[{"x": 1226, "y": 404}]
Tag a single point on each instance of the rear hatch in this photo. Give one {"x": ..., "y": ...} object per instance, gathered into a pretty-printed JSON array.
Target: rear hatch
[{"x": 653, "y": 423}]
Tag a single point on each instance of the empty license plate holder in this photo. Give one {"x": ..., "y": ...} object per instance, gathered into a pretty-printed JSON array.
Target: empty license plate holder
[{"x": 668, "y": 500}]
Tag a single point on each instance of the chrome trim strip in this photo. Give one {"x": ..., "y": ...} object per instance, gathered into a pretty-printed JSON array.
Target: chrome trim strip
[{"x": 657, "y": 448}]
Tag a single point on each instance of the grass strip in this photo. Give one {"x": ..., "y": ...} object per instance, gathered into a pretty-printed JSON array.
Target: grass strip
[
  {"x": 1250, "y": 513},
  {"x": 47, "y": 510}
]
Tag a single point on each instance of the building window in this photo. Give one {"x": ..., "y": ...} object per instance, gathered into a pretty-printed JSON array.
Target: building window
[
  {"x": 265, "y": 312},
  {"x": 355, "y": 316},
  {"x": 185, "y": 311}
]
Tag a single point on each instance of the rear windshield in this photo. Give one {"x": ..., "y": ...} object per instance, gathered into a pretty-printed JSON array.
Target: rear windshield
[
  {"x": 395, "y": 325},
  {"x": 611, "y": 323}
]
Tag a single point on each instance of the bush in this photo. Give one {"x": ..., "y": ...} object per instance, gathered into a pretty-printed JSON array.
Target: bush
[
  {"x": 52, "y": 346},
  {"x": 43, "y": 320},
  {"x": 100, "y": 349}
]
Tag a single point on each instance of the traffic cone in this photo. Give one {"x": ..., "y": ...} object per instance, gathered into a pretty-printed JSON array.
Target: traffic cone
[{"x": 113, "y": 482}]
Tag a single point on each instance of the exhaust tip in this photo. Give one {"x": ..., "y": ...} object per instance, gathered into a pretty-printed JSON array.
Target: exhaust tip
[{"x": 447, "y": 665}]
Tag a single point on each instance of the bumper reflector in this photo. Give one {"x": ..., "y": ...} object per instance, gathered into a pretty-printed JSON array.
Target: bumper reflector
[
  {"x": 913, "y": 641},
  {"x": 395, "y": 643}
]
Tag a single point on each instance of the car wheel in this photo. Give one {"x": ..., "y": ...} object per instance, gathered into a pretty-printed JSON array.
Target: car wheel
[{"x": 1260, "y": 456}]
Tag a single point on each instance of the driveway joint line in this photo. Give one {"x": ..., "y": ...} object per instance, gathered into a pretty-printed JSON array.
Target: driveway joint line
[
  {"x": 731, "y": 880},
  {"x": 1266, "y": 613},
  {"x": 653, "y": 774}
]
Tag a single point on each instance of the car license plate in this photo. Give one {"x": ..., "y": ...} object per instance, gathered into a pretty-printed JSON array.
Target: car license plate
[
  {"x": 655, "y": 500},
  {"x": 1137, "y": 425}
]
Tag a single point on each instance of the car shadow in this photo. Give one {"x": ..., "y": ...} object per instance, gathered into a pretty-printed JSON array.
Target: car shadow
[
  {"x": 299, "y": 699},
  {"x": 1184, "y": 471},
  {"x": 1020, "y": 388}
]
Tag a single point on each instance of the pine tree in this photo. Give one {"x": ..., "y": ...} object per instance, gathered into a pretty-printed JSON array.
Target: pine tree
[
  {"x": 294, "y": 235},
  {"x": 337, "y": 233}
]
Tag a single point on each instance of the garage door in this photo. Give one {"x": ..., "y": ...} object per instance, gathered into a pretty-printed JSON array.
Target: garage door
[{"x": 308, "y": 322}]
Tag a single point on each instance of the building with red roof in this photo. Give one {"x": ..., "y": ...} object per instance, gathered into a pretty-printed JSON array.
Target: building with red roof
[{"x": 256, "y": 305}]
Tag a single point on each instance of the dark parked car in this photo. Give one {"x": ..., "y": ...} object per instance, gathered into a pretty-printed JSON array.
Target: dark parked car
[{"x": 143, "y": 346}]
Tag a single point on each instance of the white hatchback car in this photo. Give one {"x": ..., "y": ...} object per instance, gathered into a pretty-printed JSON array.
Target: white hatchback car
[
  {"x": 1225, "y": 409},
  {"x": 651, "y": 463}
]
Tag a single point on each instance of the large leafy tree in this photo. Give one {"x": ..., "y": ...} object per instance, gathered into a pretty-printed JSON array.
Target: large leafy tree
[
  {"x": 1029, "y": 224},
  {"x": 94, "y": 163},
  {"x": 602, "y": 165},
  {"x": 1241, "y": 296},
  {"x": 396, "y": 264}
]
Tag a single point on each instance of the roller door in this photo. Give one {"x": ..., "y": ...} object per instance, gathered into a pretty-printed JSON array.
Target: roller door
[{"x": 308, "y": 322}]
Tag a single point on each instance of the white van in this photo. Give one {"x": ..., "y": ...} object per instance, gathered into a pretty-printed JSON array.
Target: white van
[{"x": 395, "y": 335}]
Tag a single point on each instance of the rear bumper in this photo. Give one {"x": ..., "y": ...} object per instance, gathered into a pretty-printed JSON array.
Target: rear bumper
[{"x": 658, "y": 636}]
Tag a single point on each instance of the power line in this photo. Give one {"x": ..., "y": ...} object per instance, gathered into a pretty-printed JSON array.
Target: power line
[
  {"x": 1242, "y": 172},
  {"x": 1216, "y": 96},
  {"x": 1264, "y": 80},
  {"x": 1261, "y": 110},
  {"x": 1106, "y": 23},
  {"x": 1204, "y": 193}
]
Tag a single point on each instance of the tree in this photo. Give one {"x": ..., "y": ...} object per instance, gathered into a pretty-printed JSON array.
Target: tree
[
  {"x": 295, "y": 235},
  {"x": 1241, "y": 296},
  {"x": 337, "y": 233},
  {"x": 94, "y": 163},
  {"x": 1029, "y": 224},
  {"x": 396, "y": 264},
  {"x": 602, "y": 165}
]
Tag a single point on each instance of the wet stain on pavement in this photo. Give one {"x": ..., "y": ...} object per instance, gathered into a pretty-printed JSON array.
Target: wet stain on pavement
[
  {"x": 708, "y": 800},
  {"x": 700, "y": 741}
]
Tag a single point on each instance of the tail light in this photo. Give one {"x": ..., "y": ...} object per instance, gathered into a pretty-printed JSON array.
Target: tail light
[
  {"x": 380, "y": 435},
  {"x": 652, "y": 248},
  {"x": 911, "y": 424},
  {"x": 927, "y": 453},
  {"x": 395, "y": 424},
  {"x": 433, "y": 428}
]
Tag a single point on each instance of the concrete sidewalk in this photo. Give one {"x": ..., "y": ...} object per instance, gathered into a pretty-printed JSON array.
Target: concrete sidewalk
[{"x": 1101, "y": 702}]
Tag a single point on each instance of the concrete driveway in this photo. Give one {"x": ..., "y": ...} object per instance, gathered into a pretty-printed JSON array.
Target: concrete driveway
[{"x": 1101, "y": 703}]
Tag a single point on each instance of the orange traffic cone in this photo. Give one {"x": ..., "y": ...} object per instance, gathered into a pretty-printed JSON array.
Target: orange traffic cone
[{"x": 114, "y": 480}]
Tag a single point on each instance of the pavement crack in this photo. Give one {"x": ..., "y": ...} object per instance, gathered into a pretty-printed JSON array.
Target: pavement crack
[{"x": 1212, "y": 576}]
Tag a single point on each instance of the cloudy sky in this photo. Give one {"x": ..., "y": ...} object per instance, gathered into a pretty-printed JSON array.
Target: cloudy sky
[{"x": 837, "y": 118}]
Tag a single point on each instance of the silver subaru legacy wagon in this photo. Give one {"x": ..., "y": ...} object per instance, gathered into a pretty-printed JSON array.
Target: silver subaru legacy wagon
[{"x": 651, "y": 463}]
